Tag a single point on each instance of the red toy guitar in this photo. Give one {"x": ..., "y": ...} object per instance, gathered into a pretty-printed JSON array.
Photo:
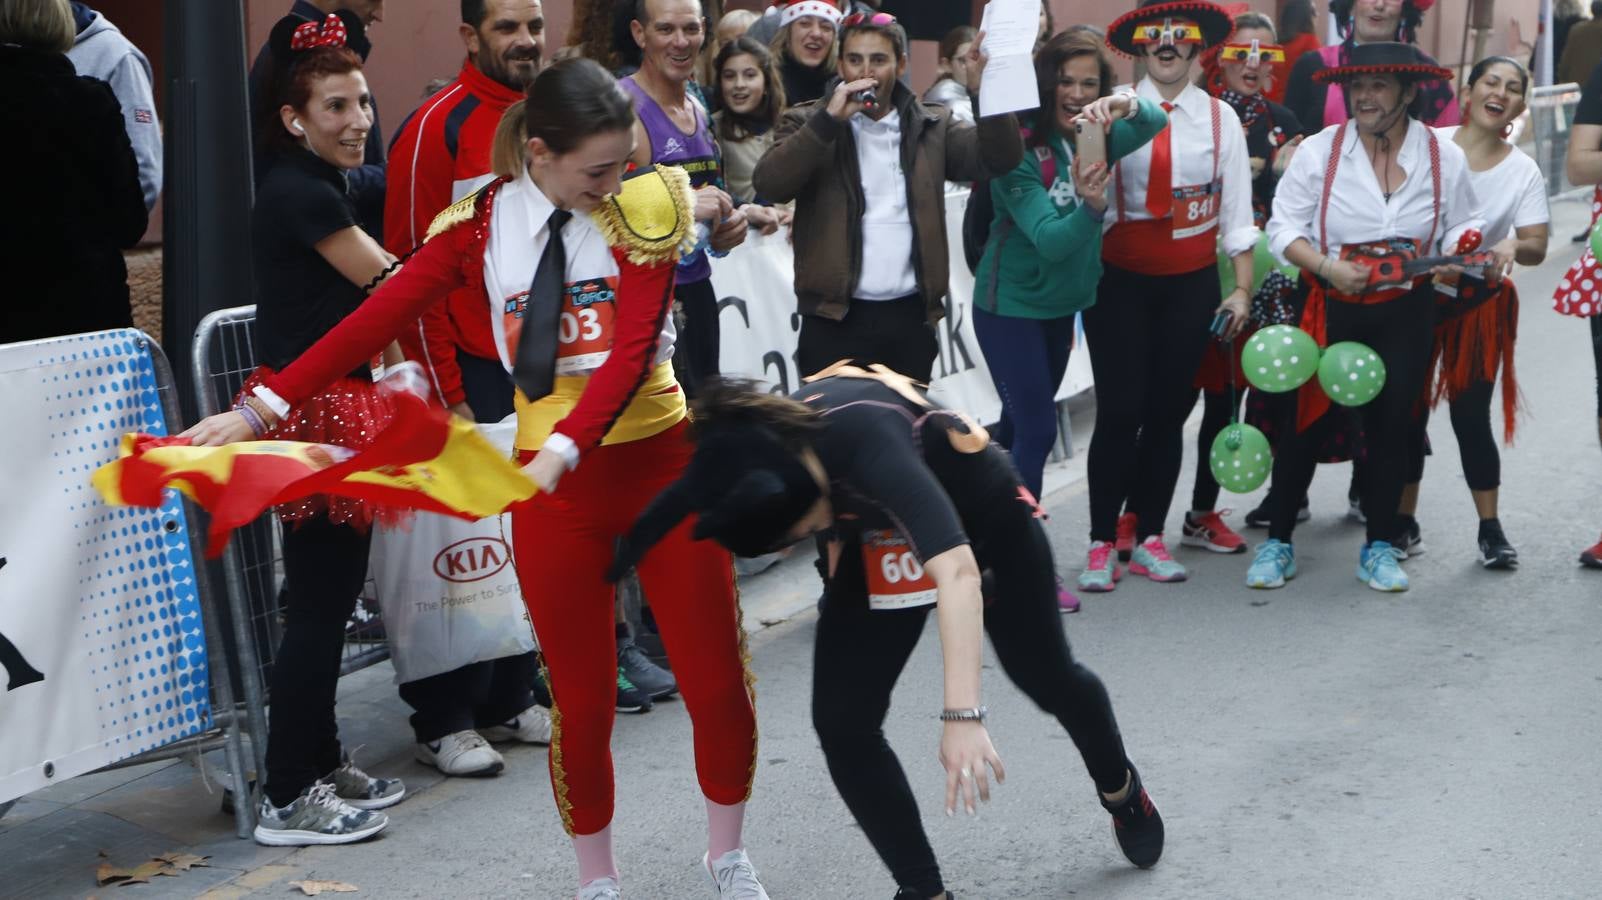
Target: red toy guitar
[{"x": 1395, "y": 263}]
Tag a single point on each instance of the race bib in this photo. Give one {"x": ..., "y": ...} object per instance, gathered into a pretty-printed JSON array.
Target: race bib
[
  {"x": 1196, "y": 209},
  {"x": 584, "y": 328},
  {"x": 896, "y": 579}
]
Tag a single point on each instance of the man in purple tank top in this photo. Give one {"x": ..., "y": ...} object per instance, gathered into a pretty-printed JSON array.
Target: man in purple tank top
[{"x": 675, "y": 130}]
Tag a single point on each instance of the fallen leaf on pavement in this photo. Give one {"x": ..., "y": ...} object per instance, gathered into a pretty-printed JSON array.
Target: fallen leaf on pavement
[
  {"x": 140, "y": 874},
  {"x": 313, "y": 888},
  {"x": 183, "y": 862}
]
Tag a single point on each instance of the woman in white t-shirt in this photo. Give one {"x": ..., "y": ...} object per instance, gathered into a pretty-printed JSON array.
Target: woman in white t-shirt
[{"x": 1477, "y": 321}]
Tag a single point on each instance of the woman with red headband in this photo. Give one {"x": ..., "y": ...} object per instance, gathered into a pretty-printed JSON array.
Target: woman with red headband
[
  {"x": 1240, "y": 73},
  {"x": 1320, "y": 104},
  {"x": 578, "y": 264},
  {"x": 1174, "y": 202},
  {"x": 1381, "y": 183}
]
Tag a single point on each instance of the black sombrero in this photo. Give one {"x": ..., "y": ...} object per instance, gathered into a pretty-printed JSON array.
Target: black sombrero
[
  {"x": 1215, "y": 23},
  {"x": 1405, "y": 61}
]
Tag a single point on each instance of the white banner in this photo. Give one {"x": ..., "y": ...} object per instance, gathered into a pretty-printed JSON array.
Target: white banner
[
  {"x": 756, "y": 291},
  {"x": 101, "y": 642}
]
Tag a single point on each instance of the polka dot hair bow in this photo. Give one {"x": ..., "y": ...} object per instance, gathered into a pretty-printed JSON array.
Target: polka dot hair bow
[{"x": 328, "y": 33}]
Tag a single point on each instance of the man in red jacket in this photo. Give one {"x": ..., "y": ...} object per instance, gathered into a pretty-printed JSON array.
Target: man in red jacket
[{"x": 442, "y": 153}]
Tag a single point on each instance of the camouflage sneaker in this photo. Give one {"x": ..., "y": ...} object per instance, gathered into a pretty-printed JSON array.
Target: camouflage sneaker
[
  {"x": 317, "y": 816},
  {"x": 361, "y": 790}
]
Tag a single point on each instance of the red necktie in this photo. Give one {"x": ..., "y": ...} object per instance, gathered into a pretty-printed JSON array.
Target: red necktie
[{"x": 1160, "y": 183}]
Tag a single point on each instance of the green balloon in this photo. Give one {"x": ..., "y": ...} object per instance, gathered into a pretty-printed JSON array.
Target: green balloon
[
  {"x": 1240, "y": 458},
  {"x": 1596, "y": 239},
  {"x": 1351, "y": 374},
  {"x": 1279, "y": 358},
  {"x": 1263, "y": 262}
]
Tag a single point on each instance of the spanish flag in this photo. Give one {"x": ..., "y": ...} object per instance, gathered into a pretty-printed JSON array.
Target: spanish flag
[{"x": 423, "y": 460}]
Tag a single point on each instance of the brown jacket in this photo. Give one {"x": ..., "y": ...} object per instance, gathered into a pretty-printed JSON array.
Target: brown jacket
[
  {"x": 1581, "y": 52},
  {"x": 813, "y": 162}
]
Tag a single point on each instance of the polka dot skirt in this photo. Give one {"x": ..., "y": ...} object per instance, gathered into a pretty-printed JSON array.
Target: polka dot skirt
[{"x": 1579, "y": 292}]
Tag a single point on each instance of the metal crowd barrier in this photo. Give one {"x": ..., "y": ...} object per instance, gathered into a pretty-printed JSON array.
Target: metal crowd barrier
[
  {"x": 252, "y": 564},
  {"x": 1552, "y": 118},
  {"x": 226, "y": 725}
]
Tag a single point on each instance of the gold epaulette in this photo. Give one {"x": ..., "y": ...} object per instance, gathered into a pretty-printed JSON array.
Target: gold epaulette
[
  {"x": 652, "y": 217},
  {"x": 461, "y": 211}
]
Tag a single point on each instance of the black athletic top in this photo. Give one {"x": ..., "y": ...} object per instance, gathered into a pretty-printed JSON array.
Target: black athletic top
[{"x": 894, "y": 463}]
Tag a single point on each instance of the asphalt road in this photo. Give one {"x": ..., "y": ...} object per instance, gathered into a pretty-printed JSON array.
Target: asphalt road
[{"x": 1319, "y": 741}]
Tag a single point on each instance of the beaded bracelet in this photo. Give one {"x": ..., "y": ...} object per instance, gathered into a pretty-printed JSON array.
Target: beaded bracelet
[{"x": 252, "y": 418}]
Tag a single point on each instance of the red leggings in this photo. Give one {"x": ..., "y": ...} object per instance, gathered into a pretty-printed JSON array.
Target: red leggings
[{"x": 563, "y": 543}]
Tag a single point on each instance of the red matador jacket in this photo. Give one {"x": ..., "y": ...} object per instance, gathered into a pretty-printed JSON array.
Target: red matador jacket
[{"x": 629, "y": 396}]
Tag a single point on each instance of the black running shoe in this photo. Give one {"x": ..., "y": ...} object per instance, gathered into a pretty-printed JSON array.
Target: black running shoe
[
  {"x": 1260, "y": 518},
  {"x": 1136, "y": 824},
  {"x": 631, "y": 699},
  {"x": 1409, "y": 540},
  {"x": 1495, "y": 551},
  {"x": 912, "y": 894}
]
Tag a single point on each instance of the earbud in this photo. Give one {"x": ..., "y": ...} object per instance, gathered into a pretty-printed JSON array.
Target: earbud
[{"x": 299, "y": 128}]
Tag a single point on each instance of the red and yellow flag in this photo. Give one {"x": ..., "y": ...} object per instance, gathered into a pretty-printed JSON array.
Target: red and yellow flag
[{"x": 424, "y": 460}]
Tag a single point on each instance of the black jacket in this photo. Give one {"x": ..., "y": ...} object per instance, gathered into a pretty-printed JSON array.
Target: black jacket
[{"x": 72, "y": 200}]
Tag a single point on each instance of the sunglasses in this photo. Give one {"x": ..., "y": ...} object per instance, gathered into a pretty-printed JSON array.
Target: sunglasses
[
  {"x": 878, "y": 20},
  {"x": 1256, "y": 52},
  {"x": 1168, "y": 34}
]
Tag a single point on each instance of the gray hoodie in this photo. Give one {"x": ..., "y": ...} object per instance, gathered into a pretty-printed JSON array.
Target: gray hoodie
[{"x": 102, "y": 52}]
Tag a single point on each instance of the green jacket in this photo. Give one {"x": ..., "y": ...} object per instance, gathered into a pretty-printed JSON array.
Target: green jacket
[{"x": 1046, "y": 247}]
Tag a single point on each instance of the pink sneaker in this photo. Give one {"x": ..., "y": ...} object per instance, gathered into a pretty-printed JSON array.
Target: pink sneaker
[
  {"x": 1066, "y": 601},
  {"x": 1101, "y": 572},
  {"x": 1151, "y": 559},
  {"x": 1125, "y": 541}
]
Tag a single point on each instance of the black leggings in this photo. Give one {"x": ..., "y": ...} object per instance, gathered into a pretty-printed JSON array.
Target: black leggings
[
  {"x": 1147, "y": 334},
  {"x": 1596, "y": 351},
  {"x": 1215, "y": 418},
  {"x": 860, "y": 653},
  {"x": 695, "y": 354},
  {"x": 1401, "y": 331},
  {"x": 1476, "y": 441},
  {"x": 325, "y": 566},
  {"x": 895, "y": 333}
]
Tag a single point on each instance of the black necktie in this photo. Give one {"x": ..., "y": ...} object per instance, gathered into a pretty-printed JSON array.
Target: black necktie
[{"x": 534, "y": 372}]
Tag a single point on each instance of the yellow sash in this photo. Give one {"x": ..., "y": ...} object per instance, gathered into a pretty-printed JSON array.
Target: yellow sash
[{"x": 657, "y": 406}]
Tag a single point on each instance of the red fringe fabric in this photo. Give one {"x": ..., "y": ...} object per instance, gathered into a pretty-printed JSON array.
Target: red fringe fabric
[
  {"x": 1471, "y": 347},
  {"x": 350, "y": 414}
]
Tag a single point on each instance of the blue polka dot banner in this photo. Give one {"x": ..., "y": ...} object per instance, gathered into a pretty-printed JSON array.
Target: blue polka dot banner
[{"x": 101, "y": 644}]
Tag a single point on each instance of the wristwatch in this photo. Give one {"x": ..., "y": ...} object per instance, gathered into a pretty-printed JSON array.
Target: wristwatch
[{"x": 975, "y": 714}]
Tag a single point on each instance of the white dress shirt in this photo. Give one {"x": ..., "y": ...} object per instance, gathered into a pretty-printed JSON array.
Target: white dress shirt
[
  {"x": 887, "y": 272},
  {"x": 1191, "y": 121},
  {"x": 1358, "y": 210}
]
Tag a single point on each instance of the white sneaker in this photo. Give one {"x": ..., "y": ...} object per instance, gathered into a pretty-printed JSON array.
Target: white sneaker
[
  {"x": 532, "y": 726},
  {"x": 600, "y": 889},
  {"x": 461, "y": 754},
  {"x": 734, "y": 877}
]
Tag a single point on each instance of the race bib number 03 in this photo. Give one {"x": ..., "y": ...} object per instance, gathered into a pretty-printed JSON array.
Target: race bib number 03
[
  {"x": 584, "y": 329},
  {"x": 896, "y": 579}
]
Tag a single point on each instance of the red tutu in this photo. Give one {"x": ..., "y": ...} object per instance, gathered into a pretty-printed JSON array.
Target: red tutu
[
  {"x": 1579, "y": 292},
  {"x": 350, "y": 414}
]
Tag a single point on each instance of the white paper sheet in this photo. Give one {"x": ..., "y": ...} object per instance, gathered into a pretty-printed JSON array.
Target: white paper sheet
[{"x": 1010, "y": 28}]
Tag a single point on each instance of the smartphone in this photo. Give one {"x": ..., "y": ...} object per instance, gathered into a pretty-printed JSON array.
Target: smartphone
[
  {"x": 1220, "y": 325},
  {"x": 1090, "y": 144}
]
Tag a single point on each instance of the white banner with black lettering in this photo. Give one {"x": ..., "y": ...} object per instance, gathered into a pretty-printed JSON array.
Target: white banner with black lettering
[
  {"x": 756, "y": 291},
  {"x": 101, "y": 643}
]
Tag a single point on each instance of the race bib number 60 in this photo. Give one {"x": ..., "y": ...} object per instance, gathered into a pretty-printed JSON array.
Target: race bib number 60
[{"x": 896, "y": 579}]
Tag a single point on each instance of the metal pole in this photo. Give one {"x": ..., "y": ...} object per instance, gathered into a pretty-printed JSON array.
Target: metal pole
[{"x": 206, "y": 225}]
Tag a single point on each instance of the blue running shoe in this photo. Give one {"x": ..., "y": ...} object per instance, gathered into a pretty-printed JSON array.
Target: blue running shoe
[
  {"x": 1274, "y": 565},
  {"x": 1377, "y": 567}
]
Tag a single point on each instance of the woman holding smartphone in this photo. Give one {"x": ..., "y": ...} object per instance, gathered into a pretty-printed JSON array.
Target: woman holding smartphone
[{"x": 1043, "y": 256}]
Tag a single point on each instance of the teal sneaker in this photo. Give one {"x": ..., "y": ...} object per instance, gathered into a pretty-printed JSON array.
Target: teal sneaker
[
  {"x": 1378, "y": 568},
  {"x": 1151, "y": 559},
  {"x": 1101, "y": 572},
  {"x": 1274, "y": 565}
]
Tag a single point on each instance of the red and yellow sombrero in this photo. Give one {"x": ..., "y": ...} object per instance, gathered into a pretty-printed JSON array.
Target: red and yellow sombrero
[
  {"x": 1385, "y": 58},
  {"x": 1157, "y": 23}
]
